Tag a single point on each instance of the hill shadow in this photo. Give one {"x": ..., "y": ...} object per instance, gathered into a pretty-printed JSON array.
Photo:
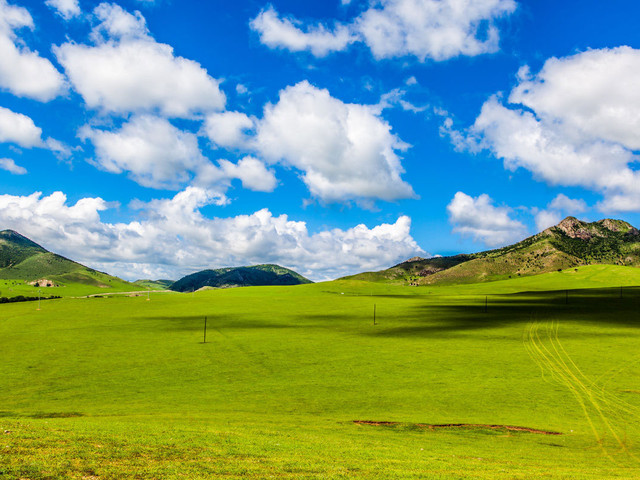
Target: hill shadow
[
  {"x": 216, "y": 321},
  {"x": 603, "y": 306},
  {"x": 441, "y": 316}
]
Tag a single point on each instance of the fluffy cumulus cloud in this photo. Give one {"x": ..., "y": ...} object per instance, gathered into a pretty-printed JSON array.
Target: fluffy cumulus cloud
[
  {"x": 253, "y": 174},
  {"x": 20, "y": 130},
  {"x": 557, "y": 209},
  {"x": 173, "y": 238},
  {"x": 288, "y": 33},
  {"x": 228, "y": 129},
  {"x": 24, "y": 72},
  {"x": 156, "y": 154},
  {"x": 67, "y": 9},
  {"x": 575, "y": 123},
  {"x": 547, "y": 218},
  {"x": 480, "y": 219},
  {"x": 126, "y": 70},
  {"x": 433, "y": 29},
  {"x": 343, "y": 151},
  {"x": 565, "y": 204},
  {"x": 10, "y": 166}
]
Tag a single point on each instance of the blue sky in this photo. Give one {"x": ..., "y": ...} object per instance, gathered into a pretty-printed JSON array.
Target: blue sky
[{"x": 155, "y": 138}]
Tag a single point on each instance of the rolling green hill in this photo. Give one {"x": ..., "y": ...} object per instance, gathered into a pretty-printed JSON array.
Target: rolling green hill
[
  {"x": 256, "y": 275},
  {"x": 154, "y": 284},
  {"x": 26, "y": 266},
  {"x": 569, "y": 244}
]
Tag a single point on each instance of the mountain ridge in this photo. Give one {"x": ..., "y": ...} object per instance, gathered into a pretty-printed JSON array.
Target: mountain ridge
[
  {"x": 570, "y": 243},
  {"x": 228, "y": 277},
  {"x": 23, "y": 259}
]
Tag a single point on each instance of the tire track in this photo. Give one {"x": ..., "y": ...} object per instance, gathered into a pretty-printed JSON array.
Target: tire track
[{"x": 606, "y": 414}]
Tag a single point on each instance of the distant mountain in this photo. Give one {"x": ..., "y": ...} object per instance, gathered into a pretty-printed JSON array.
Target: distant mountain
[
  {"x": 154, "y": 284},
  {"x": 239, "y": 277},
  {"x": 569, "y": 244},
  {"x": 23, "y": 259}
]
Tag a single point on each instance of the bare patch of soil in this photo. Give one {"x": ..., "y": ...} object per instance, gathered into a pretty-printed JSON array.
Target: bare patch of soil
[{"x": 432, "y": 426}]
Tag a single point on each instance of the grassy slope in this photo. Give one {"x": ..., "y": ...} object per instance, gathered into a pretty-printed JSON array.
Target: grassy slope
[
  {"x": 254, "y": 275},
  {"x": 23, "y": 261},
  {"x": 73, "y": 284},
  {"x": 154, "y": 284},
  {"x": 572, "y": 243},
  {"x": 286, "y": 370},
  {"x": 21, "y": 258}
]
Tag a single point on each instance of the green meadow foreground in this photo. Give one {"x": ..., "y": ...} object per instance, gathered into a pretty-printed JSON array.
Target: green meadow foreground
[{"x": 121, "y": 387}]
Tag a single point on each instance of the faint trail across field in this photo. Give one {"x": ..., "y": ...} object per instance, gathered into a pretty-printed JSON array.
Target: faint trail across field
[{"x": 606, "y": 414}]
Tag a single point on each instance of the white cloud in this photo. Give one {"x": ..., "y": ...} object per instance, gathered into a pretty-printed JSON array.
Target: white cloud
[
  {"x": 344, "y": 151},
  {"x": 522, "y": 140},
  {"x": 578, "y": 128},
  {"x": 228, "y": 129},
  {"x": 479, "y": 218},
  {"x": 19, "y": 129},
  {"x": 565, "y": 204},
  {"x": 126, "y": 70},
  {"x": 547, "y": 218},
  {"x": 24, "y": 72},
  {"x": 286, "y": 33},
  {"x": 558, "y": 208},
  {"x": 596, "y": 93},
  {"x": 173, "y": 238},
  {"x": 156, "y": 154},
  {"x": 251, "y": 172},
  {"x": 434, "y": 29},
  {"x": 116, "y": 23},
  {"x": 67, "y": 9},
  {"x": 10, "y": 166}
]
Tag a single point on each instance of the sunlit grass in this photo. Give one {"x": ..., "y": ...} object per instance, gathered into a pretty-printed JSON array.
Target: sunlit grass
[{"x": 123, "y": 387}]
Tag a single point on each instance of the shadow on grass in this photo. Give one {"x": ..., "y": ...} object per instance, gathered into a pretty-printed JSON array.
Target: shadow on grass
[
  {"x": 216, "y": 321},
  {"x": 440, "y": 316},
  {"x": 603, "y": 307}
]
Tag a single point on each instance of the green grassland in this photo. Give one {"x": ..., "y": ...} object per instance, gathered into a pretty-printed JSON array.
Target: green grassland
[
  {"x": 154, "y": 284},
  {"x": 121, "y": 387},
  {"x": 69, "y": 285}
]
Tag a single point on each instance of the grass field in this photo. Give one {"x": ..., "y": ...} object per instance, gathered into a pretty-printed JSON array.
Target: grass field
[
  {"x": 13, "y": 288},
  {"x": 121, "y": 387}
]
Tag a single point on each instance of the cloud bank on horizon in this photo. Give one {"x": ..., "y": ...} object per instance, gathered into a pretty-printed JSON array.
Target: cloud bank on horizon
[
  {"x": 331, "y": 139},
  {"x": 175, "y": 232}
]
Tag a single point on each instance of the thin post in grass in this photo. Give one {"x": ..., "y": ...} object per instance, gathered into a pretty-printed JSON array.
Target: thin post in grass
[
  {"x": 205, "y": 329},
  {"x": 374, "y": 313},
  {"x": 148, "y": 295}
]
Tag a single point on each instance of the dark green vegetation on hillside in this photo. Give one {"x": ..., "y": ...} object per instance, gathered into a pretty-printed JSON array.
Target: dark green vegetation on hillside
[
  {"x": 256, "y": 275},
  {"x": 154, "y": 284},
  {"x": 569, "y": 244},
  {"x": 26, "y": 267},
  {"x": 124, "y": 388}
]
